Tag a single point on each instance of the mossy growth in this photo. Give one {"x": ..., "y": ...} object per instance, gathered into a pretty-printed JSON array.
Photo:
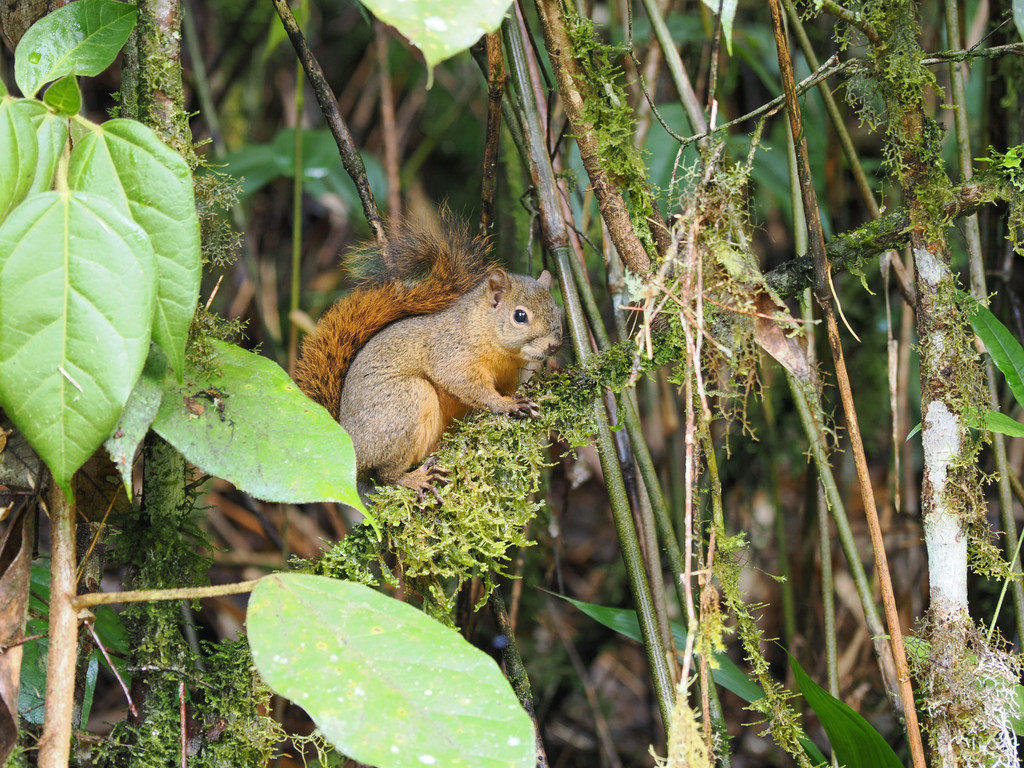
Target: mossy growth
[
  {"x": 952, "y": 373},
  {"x": 1009, "y": 167},
  {"x": 159, "y": 546},
  {"x": 711, "y": 287},
  {"x": 783, "y": 722},
  {"x": 226, "y": 704},
  {"x": 966, "y": 687},
  {"x": 606, "y": 108}
]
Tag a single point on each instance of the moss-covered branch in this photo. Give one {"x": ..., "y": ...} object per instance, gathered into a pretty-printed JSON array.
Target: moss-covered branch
[{"x": 851, "y": 251}]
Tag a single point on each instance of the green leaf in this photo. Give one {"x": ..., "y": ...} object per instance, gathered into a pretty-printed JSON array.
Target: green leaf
[
  {"x": 728, "y": 9},
  {"x": 77, "y": 287},
  {"x": 147, "y": 180},
  {"x": 1018, "y": 722},
  {"x": 32, "y": 691},
  {"x": 386, "y": 684},
  {"x": 79, "y": 39},
  {"x": 137, "y": 416},
  {"x": 855, "y": 743},
  {"x": 51, "y": 135},
  {"x": 19, "y": 154},
  {"x": 1005, "y": 350},
  {"x": 247, "y": 422},
  {"x": 3, "y": 89},
  {"x": 624, "y": 621},
  {"x": 1018, "y": 16},
  {"x": 1000, "y": 422},
  {"x": 64, "y": 96},
  {"x": 440, "y": 30}
]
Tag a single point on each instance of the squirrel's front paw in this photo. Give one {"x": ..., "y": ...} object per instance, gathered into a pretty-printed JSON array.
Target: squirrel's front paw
[
  {"x": 426, "y": 478},
  {"x": 523, "y": 407}
]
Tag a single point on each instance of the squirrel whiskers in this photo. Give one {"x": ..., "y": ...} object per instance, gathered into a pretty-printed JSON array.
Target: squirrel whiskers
[{"x": 438, "y": 331}]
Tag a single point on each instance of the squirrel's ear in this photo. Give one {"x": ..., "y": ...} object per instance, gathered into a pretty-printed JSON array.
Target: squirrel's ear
[
  {"x": 545, "y": 280},
  {"x": 498, "y": 284}
]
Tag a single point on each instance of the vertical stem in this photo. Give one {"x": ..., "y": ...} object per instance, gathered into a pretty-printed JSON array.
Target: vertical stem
[
  {"x": 822, "y": 293},
  {"x": 55, "y": 743},
  {"x": 329, "y": 107},
  {"x": 827, "y": 590},
  {"x": 556, "y": 239},
  {"x": 495, "y": 90},
  {"x": 514, "y": 667}
]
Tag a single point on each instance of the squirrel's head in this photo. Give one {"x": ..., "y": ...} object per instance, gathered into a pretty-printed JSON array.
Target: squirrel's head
[{"x": 528, "y": 319}]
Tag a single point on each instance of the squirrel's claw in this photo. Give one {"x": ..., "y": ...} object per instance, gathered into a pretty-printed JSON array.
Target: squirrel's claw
[
  {"x": 426, "y": 478},
  {"x": 524, "y": 407}
]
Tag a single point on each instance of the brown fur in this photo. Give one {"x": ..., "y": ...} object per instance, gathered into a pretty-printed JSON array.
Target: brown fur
[{"x": 424, "y": 271}]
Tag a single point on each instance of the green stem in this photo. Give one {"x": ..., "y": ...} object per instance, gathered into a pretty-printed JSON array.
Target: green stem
[
  {"x": 809, "y": 409},
  {"x": 556, "y": 240}
]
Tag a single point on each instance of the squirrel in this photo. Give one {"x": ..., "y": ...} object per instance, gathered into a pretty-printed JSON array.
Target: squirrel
[{"x": 440, "y": 330}]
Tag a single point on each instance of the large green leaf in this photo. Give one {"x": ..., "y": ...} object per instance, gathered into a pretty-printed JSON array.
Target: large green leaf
[
  {"x": 79, "y": 39},
  {"x": 440, "y": 30},
  {"x": 19, "y": 153},
  {"x": 246, "y": 421},
  {"x": 77, "y": 288},
  {"x": 127, "y": 162},
  {"x": 855, "y": 743},
  {"x": 1005, "y": 349},
  {"x": 51, "y": 135},
  {"x": 386, "y": 684}
]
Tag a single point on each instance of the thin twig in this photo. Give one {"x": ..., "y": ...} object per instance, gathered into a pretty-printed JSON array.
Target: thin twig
[
  {"x": 329, "y": 106},
  {"x": 148, "y": 595},
  {"x": 117, "y": 675},
  {"x": 831, "y": 67}
]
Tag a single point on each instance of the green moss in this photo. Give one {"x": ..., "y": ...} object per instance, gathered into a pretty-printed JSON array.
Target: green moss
[
  {"x": 783, "y": 722},
  {"x": 606, "y": 108},
  {"x": 955, "y": 376},
  {"x": 1009, "y": 167},
  {"x": 966, "y": 690}
]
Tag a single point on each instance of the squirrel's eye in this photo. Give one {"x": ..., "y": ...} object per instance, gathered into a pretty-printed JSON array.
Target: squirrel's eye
[{"x": 520, "y": 316}]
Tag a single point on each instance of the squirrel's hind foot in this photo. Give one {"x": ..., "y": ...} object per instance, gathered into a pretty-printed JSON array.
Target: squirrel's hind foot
[{"x": 425, "y": 478}]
